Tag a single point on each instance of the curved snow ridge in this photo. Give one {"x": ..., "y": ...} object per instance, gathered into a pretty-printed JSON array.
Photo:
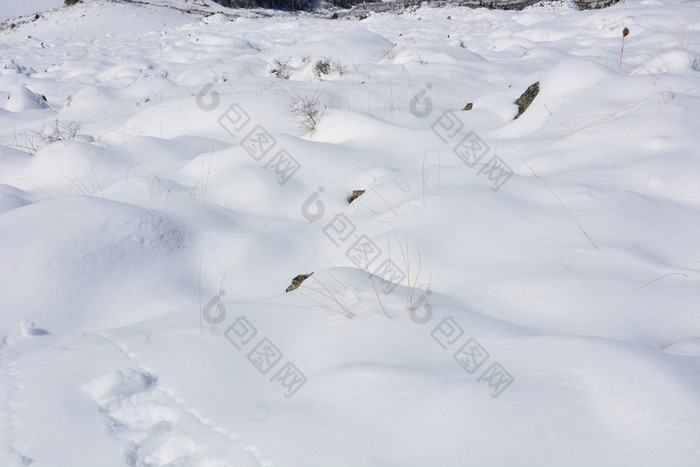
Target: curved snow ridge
[
  {"x": 678, "y": 62},
  {"x": 104, "y": 231},
  {"x": 657, "y": 394},
  {"x": 21, "y": 99},
  {"x": 89, "y": 251},
  {"x": 689, "y": 346},
  {"x": 11, "y": 67},
  {"x": 13, "y": 198},
  {"x": 355, "y": 45}
]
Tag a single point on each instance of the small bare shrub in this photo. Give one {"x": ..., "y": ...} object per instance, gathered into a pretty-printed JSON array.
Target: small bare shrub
[
  {"x": 280, "y": 68},
  {"x": 305, "y": 113},
  {"x": 58, "y": 131},
  {"x": 322, "y": 67}
]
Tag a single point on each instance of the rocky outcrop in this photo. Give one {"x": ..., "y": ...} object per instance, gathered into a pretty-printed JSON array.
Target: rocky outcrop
[
  {"x": 527, "y": 97},
  {"x": 398, "y": 6}
]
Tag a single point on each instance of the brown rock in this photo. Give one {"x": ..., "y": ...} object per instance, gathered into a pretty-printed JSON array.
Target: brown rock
[
  {"x": 527, "y": 97},
  {"x": 296, "y": 282},
  {"x": 355, "y": 194}
]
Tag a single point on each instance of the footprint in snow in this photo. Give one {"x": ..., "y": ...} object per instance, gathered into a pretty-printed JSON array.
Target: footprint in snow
[{"x": 128, "y": 398}]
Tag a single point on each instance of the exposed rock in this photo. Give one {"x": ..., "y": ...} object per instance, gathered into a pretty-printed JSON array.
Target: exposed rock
[
  {"x": 359, "y": 8},
  {"x": 468, "y": 107},
  {"x": 594, "y": 4},
  {"x": 296, "y": 282},
  {"x": 355, "y": 194},
  {"x": 527, "y": 97}
]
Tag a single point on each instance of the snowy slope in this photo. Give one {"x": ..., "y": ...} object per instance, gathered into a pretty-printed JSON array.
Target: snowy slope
[
  {"x": 505, "y": 292},
  {"x": 13, "y": 9}
]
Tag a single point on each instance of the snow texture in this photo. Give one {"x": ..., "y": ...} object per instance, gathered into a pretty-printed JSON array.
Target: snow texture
[{"x": 504, "y": 292}]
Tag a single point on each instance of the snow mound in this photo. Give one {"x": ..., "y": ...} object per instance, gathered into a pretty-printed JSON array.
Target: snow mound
[
  {"x": 676, "y": 61},
  {"x": 13, "y": 198},
  {"x": 96, "y": 248},
  {"x": 352, "y": 47},
  {"x": 21, "y": 99},
  {"x": 9, "y": 66},
  {"x": 217, "y": 18}
]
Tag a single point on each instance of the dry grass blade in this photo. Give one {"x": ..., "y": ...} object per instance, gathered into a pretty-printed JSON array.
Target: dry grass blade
[
  {"x": 386, "y": 172},
  {"x": 665, "y": 275},
  {"x": 201, "y": 328},
  {"x": 321, "y": 305},
  {"x": 332, "y": 296},
  {"x": 407, "y": 264},
  {"x": 565, "y": 208},
  {"x": 385, "y": 202},
  {"x": 338, "y": 277},
  {"x": 415, "y": 282},
  {"x": 218, "y": 301},
  {"x": 375, "y": 288},
  {"x": 424, "y": 156},
  {"x": 552, "y": 231},
  {"x": 639, "y": 213}
]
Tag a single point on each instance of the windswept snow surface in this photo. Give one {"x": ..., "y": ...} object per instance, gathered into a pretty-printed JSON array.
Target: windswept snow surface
[
  {"x": 12, "y": 8},
  {"x": 506, "y": 292}
]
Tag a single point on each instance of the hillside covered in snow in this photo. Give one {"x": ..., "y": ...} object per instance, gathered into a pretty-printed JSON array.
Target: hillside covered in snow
[{"x": 258, "y": 238}]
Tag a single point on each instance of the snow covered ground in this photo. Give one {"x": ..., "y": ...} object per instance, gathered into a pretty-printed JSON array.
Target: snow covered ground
[
  {"x": 11, "y": 9},
  {"x": 534, "y": 296}
]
